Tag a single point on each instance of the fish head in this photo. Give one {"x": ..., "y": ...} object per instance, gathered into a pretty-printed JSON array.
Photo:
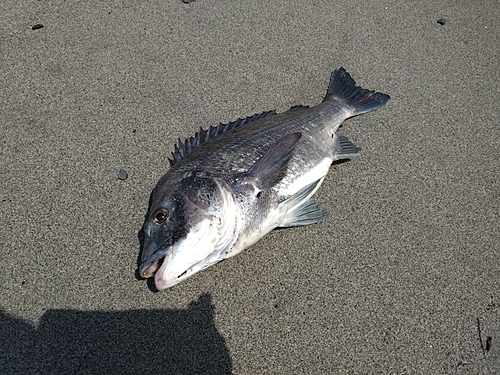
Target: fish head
[{"x": 188, "y": 226}]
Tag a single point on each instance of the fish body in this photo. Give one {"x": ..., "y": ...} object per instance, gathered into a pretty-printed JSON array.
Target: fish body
[{"x": 230, "y": 185}]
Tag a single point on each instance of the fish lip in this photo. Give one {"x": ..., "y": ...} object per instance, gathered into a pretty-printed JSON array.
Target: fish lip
[{"x": 152, "y": 264}]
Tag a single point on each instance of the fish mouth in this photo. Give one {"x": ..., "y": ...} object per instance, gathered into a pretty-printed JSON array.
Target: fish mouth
[
  {"x": 159, "y": 265},
  {"x": 152, "y": 264},
  {"x": 154, "y": 267}
]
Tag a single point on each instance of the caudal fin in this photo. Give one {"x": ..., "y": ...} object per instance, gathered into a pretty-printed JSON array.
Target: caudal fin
[{"x": 356, "y": 99}]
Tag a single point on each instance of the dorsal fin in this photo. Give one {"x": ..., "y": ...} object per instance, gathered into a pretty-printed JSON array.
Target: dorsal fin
[
  {"x": 298, "y": 108},
  {"x": 182, "y": 150}
]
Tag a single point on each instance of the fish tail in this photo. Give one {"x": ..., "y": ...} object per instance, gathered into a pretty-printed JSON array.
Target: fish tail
[{"x": 355, "y": 99}]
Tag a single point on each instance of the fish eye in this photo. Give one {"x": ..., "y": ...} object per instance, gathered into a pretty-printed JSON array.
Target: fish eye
[{"x": 160, "y": 216}]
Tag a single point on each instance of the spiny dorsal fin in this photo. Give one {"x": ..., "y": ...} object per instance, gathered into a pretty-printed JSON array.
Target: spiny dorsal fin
[{"x": 182, "y": 150}]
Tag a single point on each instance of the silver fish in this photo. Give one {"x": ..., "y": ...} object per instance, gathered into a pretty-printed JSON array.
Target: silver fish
[{"x": 231, "y": 184}]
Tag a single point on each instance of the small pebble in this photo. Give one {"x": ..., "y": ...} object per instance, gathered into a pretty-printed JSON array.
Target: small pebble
[
  {"x": 442, "y": 21},
  {"x": 187, "y": 1},
  {"x": 36, "y": 27},
  {"x": 122, "y": 175}
]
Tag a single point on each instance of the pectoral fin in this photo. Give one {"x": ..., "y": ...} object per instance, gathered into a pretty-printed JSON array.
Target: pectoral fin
[{"x": 271, "y": 167}]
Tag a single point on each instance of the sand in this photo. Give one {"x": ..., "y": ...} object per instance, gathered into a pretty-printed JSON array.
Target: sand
[{"x": 403, "y": 276}]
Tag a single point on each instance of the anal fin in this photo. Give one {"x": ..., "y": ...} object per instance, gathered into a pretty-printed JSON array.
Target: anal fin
[{"x": 344, "y": 148}]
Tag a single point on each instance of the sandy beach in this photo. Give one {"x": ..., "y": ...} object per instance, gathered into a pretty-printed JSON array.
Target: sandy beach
[{"x": 402, "y": 276}]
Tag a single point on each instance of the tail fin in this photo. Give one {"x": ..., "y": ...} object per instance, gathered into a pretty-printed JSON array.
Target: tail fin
[{"x": 358, "y": 100}]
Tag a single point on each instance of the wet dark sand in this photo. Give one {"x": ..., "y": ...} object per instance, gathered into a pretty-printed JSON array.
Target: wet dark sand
[{"x": 401, "y": 277}]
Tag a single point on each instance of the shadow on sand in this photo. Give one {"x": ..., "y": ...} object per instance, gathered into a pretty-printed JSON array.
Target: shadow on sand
[{"x": 120, "y": 342}]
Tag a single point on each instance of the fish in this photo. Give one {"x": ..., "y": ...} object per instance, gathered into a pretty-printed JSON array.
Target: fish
[{"x": 231, "y": 184}]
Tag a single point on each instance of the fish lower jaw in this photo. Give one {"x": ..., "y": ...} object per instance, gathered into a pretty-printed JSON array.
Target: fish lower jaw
[
  {"x": 169, "y": 275},
  {"x": 166, "y": 278},
  {"x": 163, "y": 283}
]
